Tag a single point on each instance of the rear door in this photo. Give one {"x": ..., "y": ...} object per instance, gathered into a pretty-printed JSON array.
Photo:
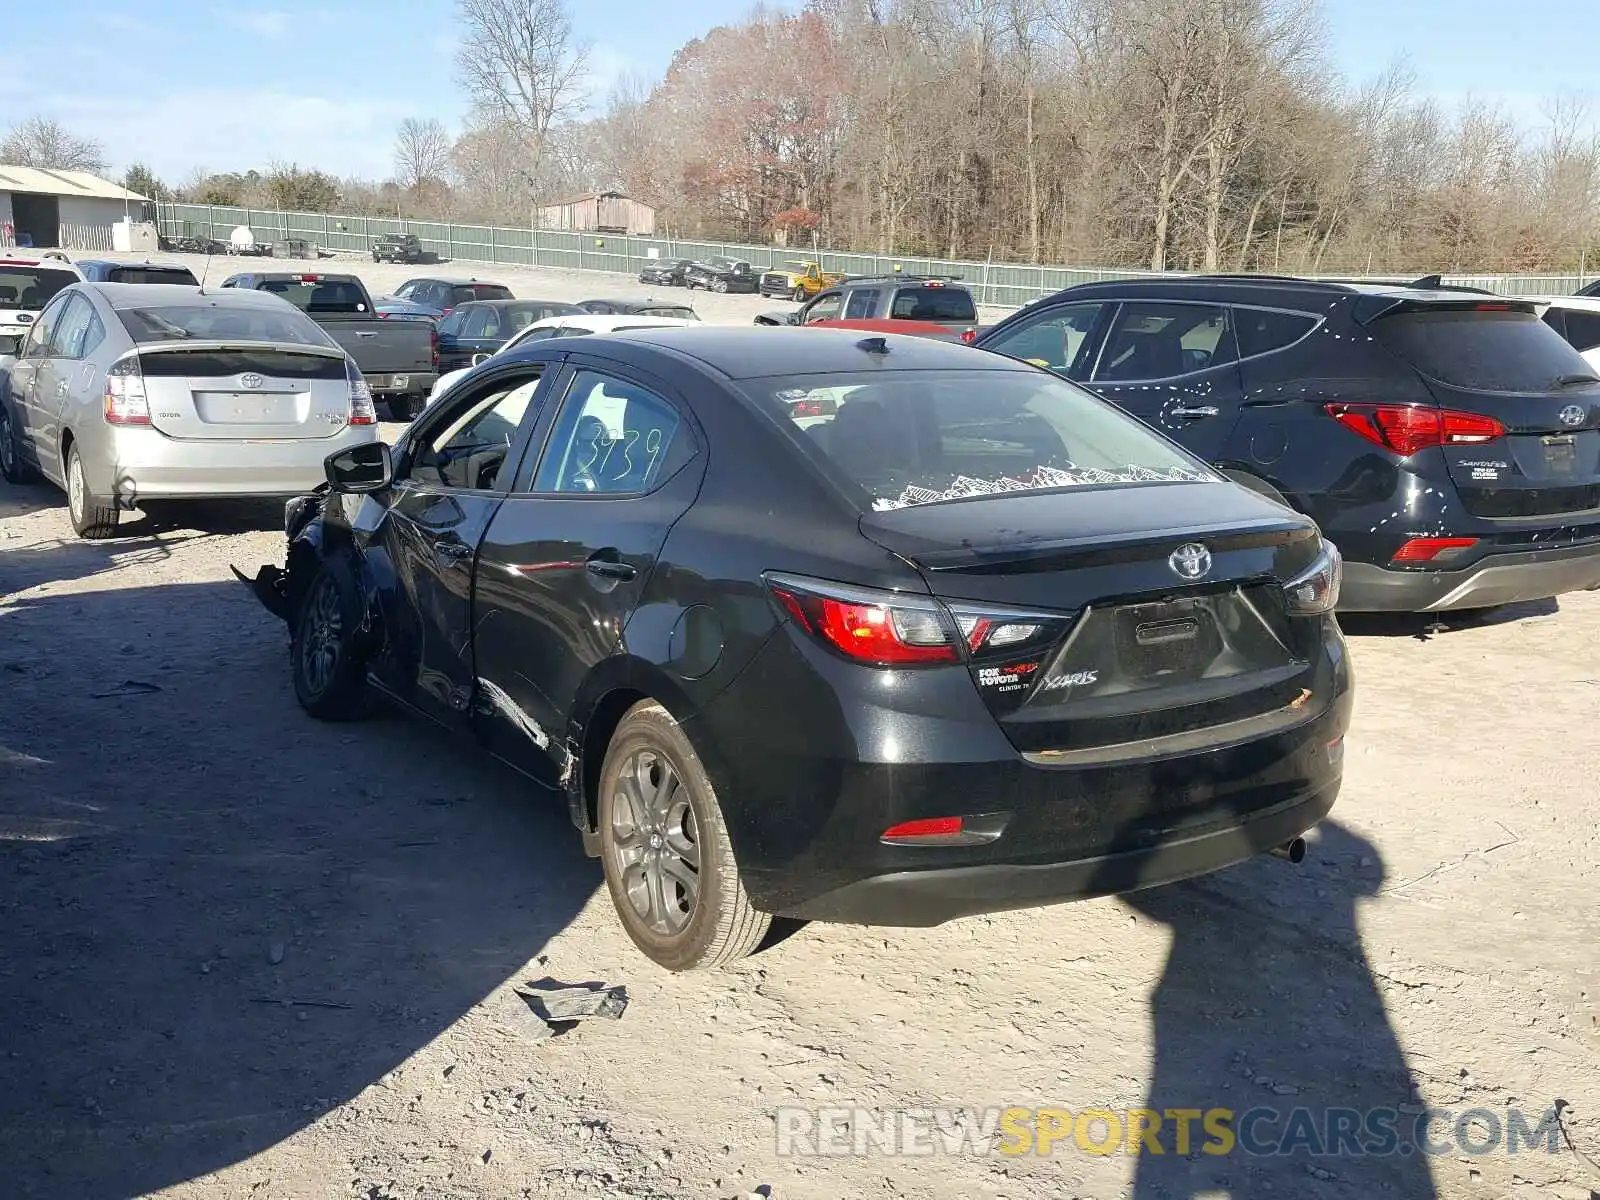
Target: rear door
[
  {"x": 232, "y": 391},
  {"x": 74, "y": 390},
  {"x": 1497, "y": 359},
  {"x": 568, "y": 555},
  {"x": 31, "y": 372},
  {"x": 1175, "y": 366},
  {"x": 453, "y": 474}
]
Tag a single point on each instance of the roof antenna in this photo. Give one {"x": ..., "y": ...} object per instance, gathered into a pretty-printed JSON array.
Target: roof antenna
[
  {"x": 874, "y": 345},
  {"x": 205, "y": 270}
]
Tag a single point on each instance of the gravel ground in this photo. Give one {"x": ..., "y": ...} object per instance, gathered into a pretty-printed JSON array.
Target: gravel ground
[{"x": 245, "y": 954}]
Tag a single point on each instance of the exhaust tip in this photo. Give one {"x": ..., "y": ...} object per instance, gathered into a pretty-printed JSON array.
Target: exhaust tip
[{"x": 1294, "y": 850}]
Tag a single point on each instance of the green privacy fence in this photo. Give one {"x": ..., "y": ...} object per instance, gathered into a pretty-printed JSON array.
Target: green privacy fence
[{"x": 999, "y": 284}]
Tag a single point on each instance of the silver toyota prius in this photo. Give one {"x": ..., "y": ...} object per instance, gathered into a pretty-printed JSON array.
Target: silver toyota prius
[{"x": 125, "y": 393}]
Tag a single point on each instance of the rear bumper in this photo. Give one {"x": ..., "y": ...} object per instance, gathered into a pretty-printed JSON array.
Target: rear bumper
[
  {"x": 400, "y": 383},
  {"x": 150, "y": 466},
  {"x": 1495, "y": 579},
  {"x": 934, "y": 896}
]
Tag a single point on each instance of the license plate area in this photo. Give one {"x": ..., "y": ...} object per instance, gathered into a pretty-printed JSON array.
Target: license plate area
[
  {"x": 1168, "y": 640},
  {"x": 1560, "y": 454},
  {"x": 247, "y": 408}
]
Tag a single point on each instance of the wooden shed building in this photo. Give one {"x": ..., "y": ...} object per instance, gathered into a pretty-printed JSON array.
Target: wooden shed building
[{"x": 600, "y": 212}]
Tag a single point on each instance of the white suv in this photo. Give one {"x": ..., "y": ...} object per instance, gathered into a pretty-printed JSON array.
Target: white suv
[
  {"x": 27, "y": 284},
  {"x": 1576, "y": 318}
]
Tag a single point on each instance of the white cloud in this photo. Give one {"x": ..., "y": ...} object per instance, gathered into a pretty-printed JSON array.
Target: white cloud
[{"x": 268, "y": 23}]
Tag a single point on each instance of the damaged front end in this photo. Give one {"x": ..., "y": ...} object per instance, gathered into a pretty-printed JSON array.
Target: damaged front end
[{"x": 272, "y": 584}]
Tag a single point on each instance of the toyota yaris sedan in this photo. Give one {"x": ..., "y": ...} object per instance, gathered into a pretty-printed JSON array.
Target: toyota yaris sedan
[{"x": 872, "y": 629}]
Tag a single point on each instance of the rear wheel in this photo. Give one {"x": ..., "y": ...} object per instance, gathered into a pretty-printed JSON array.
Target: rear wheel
[
  {"x": 664, "y": 846},
  {"x": 720, "y": 285},
  {"x": 330, "y": 678},
  {"x": 12, "y": 465},
  {"x": 799, "y": 296},
  {"x": 405, "y": 408},
  {"x": 91, "y": 516}
]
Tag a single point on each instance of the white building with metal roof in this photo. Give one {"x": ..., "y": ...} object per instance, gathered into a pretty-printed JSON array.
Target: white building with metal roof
[{"x": 72, "y": 210}]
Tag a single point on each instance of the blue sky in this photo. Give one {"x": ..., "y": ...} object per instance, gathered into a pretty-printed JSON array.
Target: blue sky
[{"x": 189, "y": 83}]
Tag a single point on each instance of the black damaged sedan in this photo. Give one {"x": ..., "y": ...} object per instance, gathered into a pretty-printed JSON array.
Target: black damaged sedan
[{"x": 800, "y": 622}]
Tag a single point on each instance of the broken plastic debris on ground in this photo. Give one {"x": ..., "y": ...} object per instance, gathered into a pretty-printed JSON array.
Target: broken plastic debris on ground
[{"x": 558, "y": 1007}]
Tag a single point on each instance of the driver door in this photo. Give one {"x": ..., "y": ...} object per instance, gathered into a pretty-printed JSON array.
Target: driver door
[{"x": 455, "y": 470}]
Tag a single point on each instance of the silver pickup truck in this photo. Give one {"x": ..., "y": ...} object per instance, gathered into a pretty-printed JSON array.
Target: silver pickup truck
[{"x": 399, "y": 358}]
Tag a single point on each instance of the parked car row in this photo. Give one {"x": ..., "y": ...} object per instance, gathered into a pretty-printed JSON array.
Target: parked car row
[{"x": 715, "y": 274}]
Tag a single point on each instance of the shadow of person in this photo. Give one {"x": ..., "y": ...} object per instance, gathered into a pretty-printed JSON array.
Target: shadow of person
[
  {"x": 220, "y": 918},
  {"x": 1268, "y": 1002}
]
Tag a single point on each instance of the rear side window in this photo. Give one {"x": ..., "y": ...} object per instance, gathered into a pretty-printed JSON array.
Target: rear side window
[
  {"x": 613, "y": 438},
  {"x": 1262, "y": 332},
  {"x": 256, "y": 323},
  {"x": 933, "y": 304},
  {"x": 1496, "y": 351},
  {"x": 863, "y": 303},
  {"x": 920, "y": 437},
  {"x": 152, "y": 275},
  {"x": 1153, "y": 340}
]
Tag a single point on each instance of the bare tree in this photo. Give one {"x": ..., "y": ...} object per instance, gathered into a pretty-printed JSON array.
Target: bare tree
[
  {"x": 421, "y": 153},
  {"x": 44, "y": 142},
  {"x": 523, "y": 68}
]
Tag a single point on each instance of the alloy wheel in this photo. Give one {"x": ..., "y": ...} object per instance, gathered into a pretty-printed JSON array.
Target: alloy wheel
[
  {"x": 77, "y": 490},
  {"x": 656, "y": 842},
  {"x": 323, "y": 636}
]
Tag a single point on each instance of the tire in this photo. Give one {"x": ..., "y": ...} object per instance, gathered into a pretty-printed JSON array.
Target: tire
[
  {"x": 719, "y": 285},
  {"x": 405, "y": 408},
  {"x": 799, "y": 295},
  {"x": 653, "y": 854},
  {"x": 91, "y": 517},
  {"x": 375, "y": 258},
  {"x": 12, "y": 466},
  {"x": 330, "y": 677}
]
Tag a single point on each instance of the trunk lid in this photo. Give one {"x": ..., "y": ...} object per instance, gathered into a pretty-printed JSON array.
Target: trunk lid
[
  {"x": 1123, "y": 648},
  {"x": 249, "y": 392},
  {"x": 1495, "y": 358}
]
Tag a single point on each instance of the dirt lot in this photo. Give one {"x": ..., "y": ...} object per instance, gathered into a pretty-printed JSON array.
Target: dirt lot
[{"x": 244, "y": 954}]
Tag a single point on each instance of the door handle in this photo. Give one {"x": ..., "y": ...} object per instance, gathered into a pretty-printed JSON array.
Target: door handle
[
  {"x": 454, "y": 550},
  {"x": 1205, "y": 410},
  {"x": 607, "y": 568},
  {"x": 361, "y": 333}
]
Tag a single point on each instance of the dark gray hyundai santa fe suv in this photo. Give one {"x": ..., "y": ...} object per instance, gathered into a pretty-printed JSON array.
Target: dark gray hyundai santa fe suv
[{"x": 801, "y": 622}]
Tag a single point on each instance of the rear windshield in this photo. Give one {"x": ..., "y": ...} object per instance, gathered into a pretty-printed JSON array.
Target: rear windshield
[
  {"x": 920, "y": 437},
  {"x": 468, "y": 292},
  {"x": 151, "y": 275},
  {"x": 213, "y": 364},
  {"x": 1478, "y": 348},
  {"x": 31, "y": 287},
  {"x": 934, "y": 304},
  {"x": 319, "y": 295},
  {"x": 671, "y": 310},
  {"x": 216, "y": 321}
]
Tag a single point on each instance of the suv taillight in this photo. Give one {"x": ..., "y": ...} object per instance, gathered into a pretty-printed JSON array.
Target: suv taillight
[
  {"x": 126, "y": 401},
  {"x": 362, "y": 410},
  {"x": 969, "y": 336},
  {"x": 1406, "y": 428},
  {"x": 433, "y": 344}
]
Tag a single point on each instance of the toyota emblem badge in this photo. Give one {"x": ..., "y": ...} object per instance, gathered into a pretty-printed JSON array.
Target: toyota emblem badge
[
  {"x": 250, "y": 381},
  {"x": 1191, "y": 561}
]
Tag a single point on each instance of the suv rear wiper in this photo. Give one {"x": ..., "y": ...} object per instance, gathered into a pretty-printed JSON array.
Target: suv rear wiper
[{"x": 1573, "y": 380}]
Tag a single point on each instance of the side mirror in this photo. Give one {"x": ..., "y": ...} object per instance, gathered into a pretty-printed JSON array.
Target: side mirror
[
  {"x": 480, "y": 358},
  {"x": 360, "y": 469}
]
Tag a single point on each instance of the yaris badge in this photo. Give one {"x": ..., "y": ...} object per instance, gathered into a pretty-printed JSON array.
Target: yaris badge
[
  {"x": 250, "y": 381},
  {"x": 1573, "y": 414},
  {"x": 1192, "y": 561}
]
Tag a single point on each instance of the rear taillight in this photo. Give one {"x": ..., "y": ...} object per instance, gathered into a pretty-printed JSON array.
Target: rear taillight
[
  {"x": 362, "y": 410},
  {"x": 126, "y": 402},
  {"x": 885, "y": 629},
  {"x": 433, "y": 345},
  {"x": 1406, "y": 429},
  {"x": 969, "y": 336},
  {"x": 1418, "y": 550},
  {"x": 1316, "y": 589}
]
